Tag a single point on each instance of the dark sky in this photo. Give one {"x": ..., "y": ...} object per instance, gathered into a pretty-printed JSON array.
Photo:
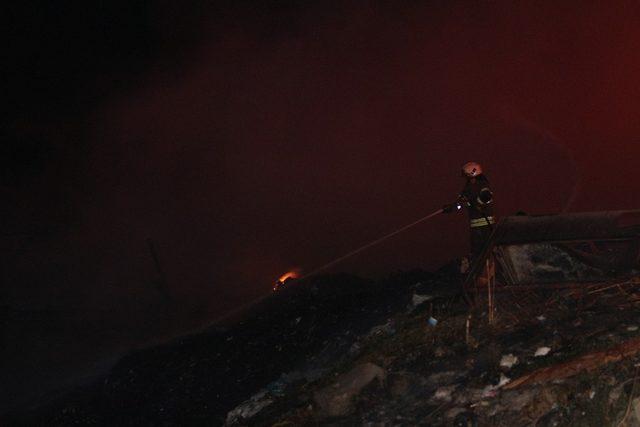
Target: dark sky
[{"x": 246, "y": 139}]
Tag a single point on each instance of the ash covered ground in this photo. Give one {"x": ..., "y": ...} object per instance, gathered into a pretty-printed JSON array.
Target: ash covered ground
[{"x": 402, "y": 351}]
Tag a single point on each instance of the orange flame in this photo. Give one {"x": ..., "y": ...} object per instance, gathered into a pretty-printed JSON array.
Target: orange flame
[{"x": 293, "y": 274}]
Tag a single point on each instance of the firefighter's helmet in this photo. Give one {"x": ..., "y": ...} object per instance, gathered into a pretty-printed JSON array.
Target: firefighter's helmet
[{"x": 471, "y": 169}]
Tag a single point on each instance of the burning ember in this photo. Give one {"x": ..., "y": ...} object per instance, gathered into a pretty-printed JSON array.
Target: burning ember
[{"x": 291, "y": 275}]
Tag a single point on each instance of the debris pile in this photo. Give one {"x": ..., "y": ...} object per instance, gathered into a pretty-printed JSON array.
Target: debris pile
[
  {"x": 413, "y": 349},
  {"x": 575, "y": 362}
]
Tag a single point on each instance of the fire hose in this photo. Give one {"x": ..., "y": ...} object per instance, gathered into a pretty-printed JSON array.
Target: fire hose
[
  {"x": 373, "y": 243},
  {"x": 332, "y": 263}
]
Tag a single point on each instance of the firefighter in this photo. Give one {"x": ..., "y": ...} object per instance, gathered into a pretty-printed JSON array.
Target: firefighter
[{"x": 477, "y": 197}]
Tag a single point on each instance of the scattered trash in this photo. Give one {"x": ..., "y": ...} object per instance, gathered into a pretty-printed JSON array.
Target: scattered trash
[
  {"x": 336, "y": 399},
  {"x": 435, "y": 379},
  {"x": 542, "y": 351},
  {"x": 386, "y": 329},
  {"x": 508, "y": 360},
  {"x": 249, "y": 408},
  {"x": 417, "y": 299},
  {"x": 587, "y": 362},
  {"x": 490, "y": 390},
  {"x": 459, "y": 378},
  {"x": 444, "y": 393},
  {"x": 355, "y": 348},
  {"x": 503, "y": 380}
]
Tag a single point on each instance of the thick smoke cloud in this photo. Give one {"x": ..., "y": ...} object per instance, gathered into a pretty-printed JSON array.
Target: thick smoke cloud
[{"x": 245, "y": 141}]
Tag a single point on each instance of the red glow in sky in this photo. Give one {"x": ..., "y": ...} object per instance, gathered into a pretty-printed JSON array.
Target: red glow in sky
[
  {"x": 266, "y": 146},
  {"x": 299, "y": 148},
  {"x": 274, "y": 137}
]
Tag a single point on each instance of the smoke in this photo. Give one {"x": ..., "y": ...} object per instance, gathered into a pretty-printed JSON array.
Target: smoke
[
  {"x": 289, "y": 134},
  {"x": 546, "y": 137}
]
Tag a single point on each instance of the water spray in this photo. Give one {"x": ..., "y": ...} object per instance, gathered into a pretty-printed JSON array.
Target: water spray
[{"x": 373, "y": 243}]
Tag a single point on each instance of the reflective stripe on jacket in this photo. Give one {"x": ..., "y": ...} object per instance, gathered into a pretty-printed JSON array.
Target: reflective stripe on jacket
[{"x": 482, "y": 222}]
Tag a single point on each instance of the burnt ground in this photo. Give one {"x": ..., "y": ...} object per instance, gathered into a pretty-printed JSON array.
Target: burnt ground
[
  {"x": 197, "y": 379},
  {"x": 285, "y": 363},
  {"x": 442, "y": 376}
]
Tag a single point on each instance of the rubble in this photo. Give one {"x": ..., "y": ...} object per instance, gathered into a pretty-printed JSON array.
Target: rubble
[
  {"x": 490, "y": 390},
  {"x": 444, "y": 393},
  {"x": 542, "y": 351},
  {"x": 587, "y": 362},
  {"x": 462, "y": 383},
  {"x": 550, "y": 353},
  {"x": 386, "y": 329},
  {"x": 249, "y": 408},
  {"x": 399, "y": 370},
  {"x": 458, "y": 368},
  {"x": 417, "y": 300},
  {"x": 508, "y": 360},
  {"x": 336, "y": 399}
]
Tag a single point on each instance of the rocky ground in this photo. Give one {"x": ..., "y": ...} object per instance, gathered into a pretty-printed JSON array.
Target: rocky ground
[
  {"x": 197, "y": 379},
  {"x": 402, "y": 351},
  {"x": 568, "y": 358}
]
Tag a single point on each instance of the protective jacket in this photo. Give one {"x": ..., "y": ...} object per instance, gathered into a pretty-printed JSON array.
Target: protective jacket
[{"x": 478, "y": 198}]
